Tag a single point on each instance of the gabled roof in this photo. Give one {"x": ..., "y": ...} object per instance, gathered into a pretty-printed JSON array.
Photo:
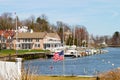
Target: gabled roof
[
  {"x": 53, "y": 35},
  {"x": 37, "y": 35},
  {"x": 6, "y": 33},
  {"x": 1, "y": 32},
  {"x": 31, "y": 35}
]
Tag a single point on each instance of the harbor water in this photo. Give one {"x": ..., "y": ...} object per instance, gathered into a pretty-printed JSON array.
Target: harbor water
[{"x": 88, "y": 65}]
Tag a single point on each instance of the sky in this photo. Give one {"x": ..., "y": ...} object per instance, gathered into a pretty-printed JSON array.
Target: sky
[{"x": 100, "y": 17}]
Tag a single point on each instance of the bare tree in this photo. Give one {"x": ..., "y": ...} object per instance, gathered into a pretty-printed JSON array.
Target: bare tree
[
  {"x": 81, "y": 35},
  {"x": 6, "y": 21}
]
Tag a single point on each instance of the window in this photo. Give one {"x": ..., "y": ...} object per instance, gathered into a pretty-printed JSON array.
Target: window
[
  {"x": 27, "y": 40},
  {"x": 19, "y": 45},
  {"x": 48, "y": 45},
  {"x": 23, "y": 40},
  {"x": 37, "y": 45},
  {"x": 37, "y": 40},
  {"x": 18, "y": 40}
]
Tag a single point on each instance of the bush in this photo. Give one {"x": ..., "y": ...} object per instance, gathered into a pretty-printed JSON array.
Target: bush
[{"x": 111, "y": 75}]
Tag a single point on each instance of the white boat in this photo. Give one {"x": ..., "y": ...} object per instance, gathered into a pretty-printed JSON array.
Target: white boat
[
  {"x": 68, "y": 51},
  {"x": 71, "y": 50}
]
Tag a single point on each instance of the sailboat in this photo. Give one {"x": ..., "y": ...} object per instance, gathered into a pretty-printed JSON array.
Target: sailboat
[{"x": 71, "y": 50}]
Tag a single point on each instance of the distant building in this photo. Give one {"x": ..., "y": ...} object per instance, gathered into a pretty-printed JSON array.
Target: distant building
[
  {"x": 23, "y": 29},
  {"x": 36, "y": 40},
  {"x": 51, "y": 41},
  {"x": 6, "y": 37}
]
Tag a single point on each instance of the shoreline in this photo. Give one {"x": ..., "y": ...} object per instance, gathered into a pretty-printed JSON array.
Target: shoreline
[{"x": 35, "y": 77}]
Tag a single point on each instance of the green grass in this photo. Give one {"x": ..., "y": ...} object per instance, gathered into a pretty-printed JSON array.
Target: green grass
[
  {"x": 13, "y": 52},
  {"x": 6, "y": 52}
]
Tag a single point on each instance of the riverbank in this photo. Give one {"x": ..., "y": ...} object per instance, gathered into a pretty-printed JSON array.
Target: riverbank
[
  {"x": 113, "y": 46},
  {"x": 109, "y": 75},
  {"x": 66, "y": 78},
  {"x": 8, "y": 55},
  {"x": 60, "y": 78}
]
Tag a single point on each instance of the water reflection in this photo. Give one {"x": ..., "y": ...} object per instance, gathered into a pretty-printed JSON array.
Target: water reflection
[{"x": 89, "y": 65}]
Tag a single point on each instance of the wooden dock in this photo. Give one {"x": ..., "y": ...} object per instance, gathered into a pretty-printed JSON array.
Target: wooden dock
[{"x": 66, "y": 55}]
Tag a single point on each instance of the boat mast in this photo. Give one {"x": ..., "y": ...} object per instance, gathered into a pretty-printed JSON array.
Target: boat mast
[
  {"x": 64, "y": 53},
  {"x": 73, "y": 35}
]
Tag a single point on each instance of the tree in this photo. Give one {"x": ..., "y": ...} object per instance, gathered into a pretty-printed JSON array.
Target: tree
[
  {"x": 43, "y": 23},
  {"x": 32, "y": 24},
  {"x": 61, "y": 29},
  {"x": 116, "y": 38},
  {"x": 6, "y": 21},
  {"x": 81, "y": 35},
  {"x": 69, "y": 41}
]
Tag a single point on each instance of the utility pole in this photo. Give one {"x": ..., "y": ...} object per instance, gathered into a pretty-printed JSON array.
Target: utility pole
[
  {"x": 2, "y": 41},
  {"x": 16, "y": 32}
]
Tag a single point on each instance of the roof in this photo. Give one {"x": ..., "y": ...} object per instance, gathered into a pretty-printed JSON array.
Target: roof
[
  {"x": 53, "y": 35},
  {"x": 7, "y": 33},
  {"x": 1, "y": 32},
  {"x": 31, "y": 35},
  {"x": 37, "y": 35}
]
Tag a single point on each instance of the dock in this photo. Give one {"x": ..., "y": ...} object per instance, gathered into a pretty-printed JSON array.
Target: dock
[{"x": 66, "y": 55}]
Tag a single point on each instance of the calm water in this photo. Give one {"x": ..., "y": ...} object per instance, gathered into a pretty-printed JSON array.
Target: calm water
[{"x": 89, "y": 65}]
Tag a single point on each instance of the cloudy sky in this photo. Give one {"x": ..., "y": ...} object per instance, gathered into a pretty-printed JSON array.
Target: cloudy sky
[{"x": 101, "y": 17}]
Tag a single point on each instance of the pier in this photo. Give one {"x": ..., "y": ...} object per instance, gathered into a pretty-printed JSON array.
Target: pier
[{"x": 66, "y": 55}]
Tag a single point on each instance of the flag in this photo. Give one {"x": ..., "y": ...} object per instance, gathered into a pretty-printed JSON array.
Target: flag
[
  {"x": 61, "y": 55},
  {"x": 58, "y": 56}
]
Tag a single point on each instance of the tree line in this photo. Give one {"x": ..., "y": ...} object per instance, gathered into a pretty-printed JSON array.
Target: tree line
[{"x": 79, "y": 36}]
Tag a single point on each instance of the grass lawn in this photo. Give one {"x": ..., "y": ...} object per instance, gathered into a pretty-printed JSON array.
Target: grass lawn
[
  {"x": 6, "y": 52},
  {"x": 62, "y": 78}
]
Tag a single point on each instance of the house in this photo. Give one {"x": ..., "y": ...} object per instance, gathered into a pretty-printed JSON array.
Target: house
[
  {"x": 2, "y": 39},
  {"x": 6, "y": 39},
  {"x": 36, "y": 40},
  {"x": 52, "y": 41},
  {"x": 23, "y": 29}
]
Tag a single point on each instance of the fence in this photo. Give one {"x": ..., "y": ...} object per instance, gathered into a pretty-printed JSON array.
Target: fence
[{"x": 10, "y": 70}]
